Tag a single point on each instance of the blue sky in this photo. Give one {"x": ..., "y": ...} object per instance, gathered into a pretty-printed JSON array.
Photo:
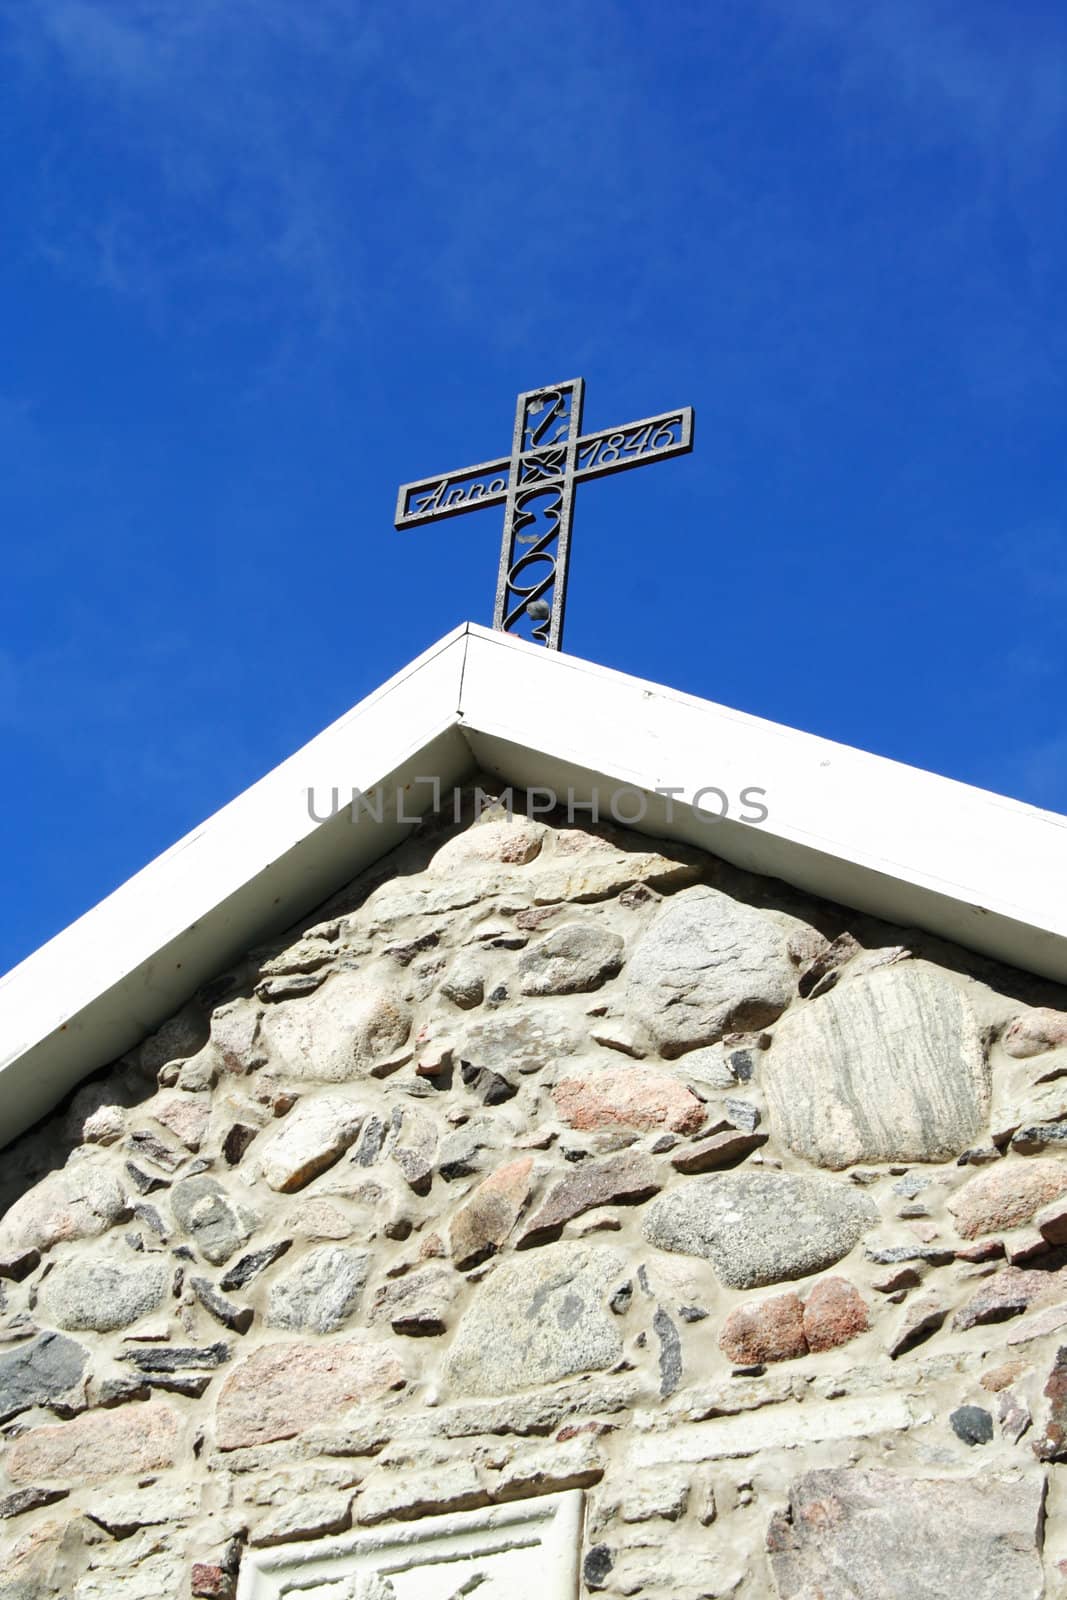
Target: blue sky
[{"x": 266, "y": 259}]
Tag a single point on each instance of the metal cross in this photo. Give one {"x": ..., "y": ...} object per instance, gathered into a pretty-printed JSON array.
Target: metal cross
[{"x": 535, "y": 484}]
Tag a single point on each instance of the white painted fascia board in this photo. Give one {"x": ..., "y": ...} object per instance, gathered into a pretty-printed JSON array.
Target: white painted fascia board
[
  {"x": 986, "y": 872},
  {"x": 104, "y": 982},
  {"x": 977, "y": 868}
]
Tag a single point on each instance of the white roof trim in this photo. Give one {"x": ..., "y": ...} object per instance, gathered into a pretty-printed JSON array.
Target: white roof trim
[{"x": 973, "y": 867}]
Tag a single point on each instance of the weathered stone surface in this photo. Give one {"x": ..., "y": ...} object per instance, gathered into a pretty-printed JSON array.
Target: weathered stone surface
[
  {"x": 455, "y": 1486},
  {"x": 764, "y": 1330},
  {"x": 517, "y": 1041},
  {"x": 147, "y": 1507},
  {"x": 758, "y": 1228},
  {"x": 491, "y": 1088},
  {"x": 863, "y": 1535},
  {"x": 1006, "y": 1195},
  {"x": 341, "y": 1031},
  {"x": 204, "y": 1210},
  {"x": 98, "y": 1445},
  {"x": 890, "y": 1067},
  {"x": 1052, "y": 1446},
  {"x": 573, "y": 959},
  {"x": 1051, "y": 1221},
  {"x": 627, "y": 1097},
  {"x": 186, "y": 1116},
  {"x": 538, "y": 1318},
  {"x": 464, "y": 983},
  {"x": 722, "y": 1149},
  {"x": 314, "y": 1135},
  {"x": 307, "y": 1516},
  {"x": 625, "y": 1179},
  {"x": 414, "y": 1147},
  {"x": 711, "y": 1067},
  {"x": 1005, "y": 1294},
  {"x": 834, "y": 1313},
  {"x": 320, "y": 1292},
  {"x": 706, "y": 965},
  {"x": 40, "y": 1372},
  {"x": 491, "y": 842},
  {"x": 418, "y": 1304},
  {"x": 1035, "y": 1032},
  {"x": 660, "y": 1495},
  {"x": 282, "y": 1389},
  {"x": 921, "y": 1317},
  {"x": 80, "y": 1202},
  {"x": 1039, "y": 1136},
  {"x": 102, "y": 1295},
  {"x": 485, "y": 1219}
]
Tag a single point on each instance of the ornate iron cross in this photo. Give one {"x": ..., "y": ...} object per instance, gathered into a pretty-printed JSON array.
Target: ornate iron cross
[{"x": 535, "y": 484}]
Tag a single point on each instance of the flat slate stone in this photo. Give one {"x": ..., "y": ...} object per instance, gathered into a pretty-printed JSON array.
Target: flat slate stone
[
  {"x": 39, "y": 1372},
  {"x": 625, "y": 1179},
  {"x": 889, "y": 1067},
  {"x": 759, "y": 1228},
  {"x": 539, "y": 1318},
  {"x": 103, "y": 1295},
  {"x": 708, "y": 965},
  {"x": 850, "y": 1534}
]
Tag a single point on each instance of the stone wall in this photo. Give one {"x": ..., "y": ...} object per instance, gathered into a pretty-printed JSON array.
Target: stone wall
[{"x": 542, "y": 1159}]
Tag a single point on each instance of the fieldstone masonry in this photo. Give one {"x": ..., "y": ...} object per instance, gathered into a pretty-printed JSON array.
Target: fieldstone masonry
[{"x": 542, "y": 1159}]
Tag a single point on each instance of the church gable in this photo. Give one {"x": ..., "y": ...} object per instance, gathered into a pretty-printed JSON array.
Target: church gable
[{"x": 554, "y": 1179}]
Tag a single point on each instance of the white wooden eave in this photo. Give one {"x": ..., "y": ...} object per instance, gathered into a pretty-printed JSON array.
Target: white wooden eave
[{"x": 986, "y": 872}]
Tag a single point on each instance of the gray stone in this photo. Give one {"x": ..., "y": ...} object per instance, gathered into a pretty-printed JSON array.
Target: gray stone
[
  {"x": 706, "y": 966},
  {"x": 178, "y": 1358},
  {"x": 863, "y": 1535},
  {"x": 538, "y": 1318},
  {"x": 758, "y": 1228},
  {"x": 46, "y": 1369},
  {"x": 414, "y": 1147},
  {"x": 238, "y": 1318},
  {"x": 572, "y": 959},
  {"x": 341, "y": 1031},
  {"x": 204, "y": 1211},
  {"x": 464, "y": 983},
  {"x": 320, "y": 1292},
  {"x": 517, "y": 1041},
  {"x": 972, "y": 1424},
  {"x": 103, "y": 1295},
  {"x": 890, "y": 1067},
  {"x": 251, "y": 1265},
  {"x": 314, "y": 1135},
  {"x": 711, "y": 1067}
]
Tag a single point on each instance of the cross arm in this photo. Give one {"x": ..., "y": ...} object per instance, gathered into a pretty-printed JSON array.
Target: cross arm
[
  {"x": 432, "y": 499},
  {"x": 634, "y": 444}
]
